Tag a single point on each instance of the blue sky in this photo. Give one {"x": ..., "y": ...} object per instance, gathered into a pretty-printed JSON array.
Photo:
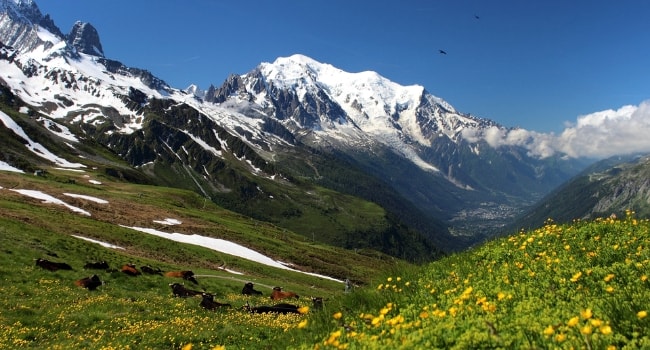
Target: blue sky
[{"x": 534, "y": 64}]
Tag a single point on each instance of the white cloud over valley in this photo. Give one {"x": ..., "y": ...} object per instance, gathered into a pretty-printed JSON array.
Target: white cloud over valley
[{"x": 596, "y": 135}]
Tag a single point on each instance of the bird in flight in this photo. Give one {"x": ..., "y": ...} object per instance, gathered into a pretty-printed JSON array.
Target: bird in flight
[
  {"x": 477, "y": 17},
  {"x": 442, "y": 52}
]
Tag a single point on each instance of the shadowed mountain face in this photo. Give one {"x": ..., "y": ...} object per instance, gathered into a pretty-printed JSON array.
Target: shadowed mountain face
[
  {"x": 85, "y": 39},
  {"x": 352, "y": 159},
  {"x": 609, "y": 187}
]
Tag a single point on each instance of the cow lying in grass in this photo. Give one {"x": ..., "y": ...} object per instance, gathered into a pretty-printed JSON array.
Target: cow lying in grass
[
  {"x": 279, "y": 309},
  {"x": 151, "y": 271},
  {"x": 51, "y": 265},
  {"x": 90, "y": 283},
  {"x": 317, "y": 302},
  {"x": 249, "y": 289},
  {"x": 130, "y": 270},
  {"x": 278, "y": 294},
  {"x": 186, "y": 275},
  {"x": 179, "y": 290},
  {"x": 208, "y": 302},
  {"x": 97, "y": 265}
]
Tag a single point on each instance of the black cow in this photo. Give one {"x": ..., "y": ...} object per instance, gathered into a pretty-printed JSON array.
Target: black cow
[
  {"x": 51, "y": 265},
  {"x": 90, "y": 283},
  {"x": 317, "y": 302},
  {"x": 150, "y": 270},
  {"x": 179, "y": 290},
  {"x": 97, "y": 265},
  {"x": 208, "y": 302},
  {"x": 250, "y": 290},
  {"x": 279, "y": 309}
]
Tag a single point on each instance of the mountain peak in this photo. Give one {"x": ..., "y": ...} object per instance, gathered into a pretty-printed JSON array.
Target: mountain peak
[
  {"x": 29, "y": 11},
  {"x": 25, "y": 7},
  {"x": 301, "y": 73},
  {"x": 20, "y": 21},
  {"x": 85, "y": 39}
]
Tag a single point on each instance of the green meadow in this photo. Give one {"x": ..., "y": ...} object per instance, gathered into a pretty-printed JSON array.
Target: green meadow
[{"x": 577, "y": 286}]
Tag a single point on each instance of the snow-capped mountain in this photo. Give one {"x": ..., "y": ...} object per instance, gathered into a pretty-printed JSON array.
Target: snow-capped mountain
[
  {"x": 292, "y": 123},
  {"x": 372, "y": 119},
  {"x": 351, "y": 108}
]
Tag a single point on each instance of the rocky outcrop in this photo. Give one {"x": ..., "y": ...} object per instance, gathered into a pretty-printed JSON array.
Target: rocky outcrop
[{"x": 85, "y": 39}]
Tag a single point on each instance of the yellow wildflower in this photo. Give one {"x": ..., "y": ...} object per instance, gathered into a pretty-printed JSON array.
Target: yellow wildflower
[
  {"x": 560, "y": 337},
  {"x": 337, "y": 315},
  {"x": 453, "y": 311},
  {"x": 642, "y": 314},
  {"x": 605, "y": 329},
  {"x": 573, "y": 321},
  {"x": 303, "y": 309},
  {"x": 335, "y": 334},
  {"x": 302, "y": 324},
  {"x": 219, "y": 347},
  {"x": 548, "y": 331},
  {"x": 187, "y": 346},
  {"x": 586, "y": 330},
  {"x": 609, "y": 277},
  {"x": 586, "y": 314},
  {"x": 576, "y": 276}
]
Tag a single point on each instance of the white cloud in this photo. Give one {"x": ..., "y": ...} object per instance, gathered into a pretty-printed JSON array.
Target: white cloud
[{"x": 596, "y": 135}]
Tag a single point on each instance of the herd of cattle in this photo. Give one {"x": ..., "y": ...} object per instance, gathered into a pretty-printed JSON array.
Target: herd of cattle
[{"x": 179, "y": 289}]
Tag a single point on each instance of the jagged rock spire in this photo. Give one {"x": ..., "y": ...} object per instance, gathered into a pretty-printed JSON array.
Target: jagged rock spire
[{"x": 85, "y": 39}]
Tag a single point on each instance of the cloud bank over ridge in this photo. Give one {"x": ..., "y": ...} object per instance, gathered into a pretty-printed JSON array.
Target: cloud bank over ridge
[{"x": 596, "y": 135}]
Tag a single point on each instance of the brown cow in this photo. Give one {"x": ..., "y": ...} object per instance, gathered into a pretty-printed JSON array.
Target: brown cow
[
  {"x": 130, "y": 270},
  {"x": 186, "y": 275},
  {"x": 278, "y": 294},
  {"x": 90, "y": 283},
  {"x": 209, "y": 303},
  {"x": 179, "y": 290},
  {"x": 51, "y": 265}
]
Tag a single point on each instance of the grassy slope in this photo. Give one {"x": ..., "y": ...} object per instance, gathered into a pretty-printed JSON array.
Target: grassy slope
[
  {"x": 582, "y": 286},
  {"x": 318, "y": 214},
  {"x": 30, "y": 229}
]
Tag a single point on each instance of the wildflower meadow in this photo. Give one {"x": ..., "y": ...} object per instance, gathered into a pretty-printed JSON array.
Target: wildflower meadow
[
  {"x": 582, "y": 285},
  {"x": 578, "y": 286}
]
